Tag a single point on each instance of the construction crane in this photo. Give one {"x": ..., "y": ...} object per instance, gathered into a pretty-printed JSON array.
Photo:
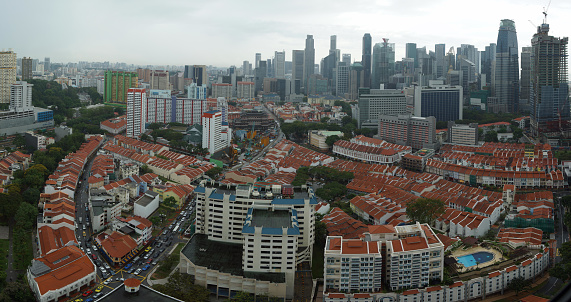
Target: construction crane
[{"x": 545, "y": 12}]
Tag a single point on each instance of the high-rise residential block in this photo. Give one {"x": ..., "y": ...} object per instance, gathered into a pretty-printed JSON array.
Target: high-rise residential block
[
  {"x": 549, "y": 104},
  {"x": 27, "y": 71},
  {"x": 212, "y": 131},
  {"x": 279, "y": 64},
  {"x": 245, "y": 90},
  {"x": 136, "y": 111},
  {"x": 21, "y": 97},
  {"x": 366, "y": 59},
  {"x": 117, "y": 83},
  {"x": 505, "y": 85},
  {"x": 222, "y": 90},
  {"x": 8, "y": 71},
  {"x": 197, "y": 92},
  {"x": 160, "y": 80},
  {"x": 309, "y": 61}
]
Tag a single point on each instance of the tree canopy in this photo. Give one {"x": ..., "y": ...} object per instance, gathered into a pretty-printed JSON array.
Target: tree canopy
[
  {"x": 181, "y": 286},
  {"x": 425, "y": 210}
]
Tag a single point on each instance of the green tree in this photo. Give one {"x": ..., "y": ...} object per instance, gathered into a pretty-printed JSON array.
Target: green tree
[
  {"x": 330, "y": 140},
  {"x": 170, "y": 202},
  {"x": 26, "y": 216},
  {"x": 17, "y": 291},
  {"x": 18, "y": 141},
  {"x": 518, "y": 284},
  {"x": 242, "y": 297},
  {"x": 155, "y": 220},
  {"x": 31, "y": 196},
  {"x": 144, "y": 169},
  {"x": 181, "y": 286},
  {"x": 491, "y": 136},
  {"x": 214, "y": 172},
  {"x": 331, "y": 191},
  {"x": 425, "y": 210},
  {"x": 325, "y": 119},
  {"x": 561, "y": 271}
]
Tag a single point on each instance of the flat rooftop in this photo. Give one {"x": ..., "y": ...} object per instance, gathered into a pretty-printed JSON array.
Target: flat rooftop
[
  {"x": 223, "y": 257},
  {"x": 144, "y": 294},
  {"x": 271, "y": 219}
]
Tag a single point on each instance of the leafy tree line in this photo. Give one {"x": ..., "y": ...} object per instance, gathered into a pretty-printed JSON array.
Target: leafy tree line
[
  {"x": 299, "y": 129},
  {"x": 484, "y": 117},
  {"x": 323, "y": 173},
  {"x": 89, "y": 119},
  {"x": 181, "y": 286}
]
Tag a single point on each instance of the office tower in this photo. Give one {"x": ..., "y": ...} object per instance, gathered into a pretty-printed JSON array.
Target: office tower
[
  {"x": 159, "y": 80},
  {"x": 525, "y": 78},
  {"x": 297, "y": 64},
  {"x": 196, "y": 92},
  {"x": 488, "y": 57},
  {"x": 346, "y": 59},
  {"x": 342, "y": 79},
  {"x": 259, "y": 76},
  {"x": 269, "y": 68},
  {"x": 258, "y": 59},
  {"x": 212, "y": 131},
  {"x": 27, "y": 69},
  {"x": 506, "y": 74},
  {"x": 200, "y": 76},
  {"x": 440, "y": 101},
  {"x": 374, "y": 102},
  {"x": 470, "y": 53},
  {"x": 411, "y": 53},
  {"x": 440, "y": 52},
  {"x": 333, "y": 42},
  {"x": 309, "y": 61},
  {"x": 383, "y": 63},
  {"x": 21, "y": 97},
  {"x": 8, "y": 71},
  {"x": 117, "y": 83},
  {"x": 366, "y": 59},
  {"x": 246, "y": 68},
  {"x": 549, "y": 87},
  {"x": 136, "y": 111},
  {"x": 47, "y": 64},
  {"x": 188, "y": 72},
  {"x": 279, "y": 64},
  {"x": 468, "y": 75},
  {"x": 356, "y": 80}
]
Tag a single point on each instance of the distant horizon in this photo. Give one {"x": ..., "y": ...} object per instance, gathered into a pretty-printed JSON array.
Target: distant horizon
[{"x": 230, "y": 33}]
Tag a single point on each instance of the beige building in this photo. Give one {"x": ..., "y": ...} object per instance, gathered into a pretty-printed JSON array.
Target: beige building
[
  {"x": 317, "y": 138},
  {"x": 459, "y": 134},
  {"x": 7, "y": 74}
]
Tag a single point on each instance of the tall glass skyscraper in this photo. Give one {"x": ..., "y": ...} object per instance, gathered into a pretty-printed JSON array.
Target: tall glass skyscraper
[
  {"x": 549, "y": 104},
  {"x": 309, "y": 61},
  {"x": 411, "y": 53},
  {"x": 505, "y": 85},
  {"x": 366, "y": 59},
  {"x": 383, "y": 63}
]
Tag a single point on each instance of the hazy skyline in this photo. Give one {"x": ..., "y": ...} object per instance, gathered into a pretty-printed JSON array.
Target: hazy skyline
[{"x": 224, "y": 33}]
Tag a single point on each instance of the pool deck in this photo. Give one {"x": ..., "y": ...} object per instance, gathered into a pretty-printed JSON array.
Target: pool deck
[{"x": 472, "y": 250}]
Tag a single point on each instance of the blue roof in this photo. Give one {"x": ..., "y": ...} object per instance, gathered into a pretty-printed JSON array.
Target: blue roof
[
  {"x": 215, "y": 195},
  {"x": 248, "y": 229},
  {"x": 293, "y": 231},
  {"x": 200, "y": 190},
  {"x": 288, "y": 201},
  {"x": 232, "y": 197},
  {"x": 212, "y": 111},
  {"x": 272, "y": 231},
  {"x": 224, "y": 123}
]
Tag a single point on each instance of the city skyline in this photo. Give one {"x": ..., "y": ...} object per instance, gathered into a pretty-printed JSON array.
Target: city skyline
[{"x": 231, "y": 36}]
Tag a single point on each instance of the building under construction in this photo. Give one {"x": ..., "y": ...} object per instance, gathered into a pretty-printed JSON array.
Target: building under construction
[{"x": 549, "y": 104}]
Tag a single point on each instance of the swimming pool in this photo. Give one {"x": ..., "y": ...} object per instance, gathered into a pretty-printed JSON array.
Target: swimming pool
[{"x": 476, "y": 258}]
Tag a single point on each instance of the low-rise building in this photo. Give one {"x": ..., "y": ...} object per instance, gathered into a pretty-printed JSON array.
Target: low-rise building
[
  {"x": 116, "y": 248},
  {"x": 146, "y": 204},
  {"x": 317, "y": 138},
  {"x": 138, "y": 228},
  {"x": 114, "y": 125},
  {"x": 460, "y": 134}
]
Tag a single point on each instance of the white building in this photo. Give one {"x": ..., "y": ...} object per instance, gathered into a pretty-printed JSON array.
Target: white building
[
  {"x": 136, "y": 108},
  {"x": 196, "y": 92},
  {"x": 212, "y": 131},
  {"x": 352, "y": 265},
  {"x": 146, "y": 204},
  {"x": 159, "y": 107},
  {"x": 459, "y": 134},
  {"x": 189, "y": 111},
  {"x": 21, "y": 97},
  {"x": 415, "y": 259},
  {"x": 222, "y": 106},
  {"x": 140, "y": 226}
]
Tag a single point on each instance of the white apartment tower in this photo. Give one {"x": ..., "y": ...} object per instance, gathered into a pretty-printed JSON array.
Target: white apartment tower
[
  {"x": 136, "y": 111},
  {"x": 21, "y": 97},
  {"x": 8, "y": 63},
  {"x": 197, "y": 92},
  {"x": 212, "y": 131}
]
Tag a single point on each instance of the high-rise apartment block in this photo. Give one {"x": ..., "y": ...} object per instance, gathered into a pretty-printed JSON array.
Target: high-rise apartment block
[
  {"x": 136, "y": 111},
  {"x": 407, "y": 130},
  {"x": 505, "y": 82},
  {"x": 222, "y": 90},
  {"x": 160, "y": 80},
  {"x": 8, "y": 63},
  {"x": 27, "y": 70},
  {"x": 21, "y": 97},
  {"x": 212, "y": 131},
  {"x": 375, "y": 102},
  {"x": 549, "y": 84},
  {"x": 245, "y": 90},
  {"x": 197, "y": 92},
  {"x": 117, "y": 83},
  {"x": 163, "y": 108}
]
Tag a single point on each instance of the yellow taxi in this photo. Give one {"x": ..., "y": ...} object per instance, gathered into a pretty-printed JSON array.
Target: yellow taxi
[
  {"x": 84, "y": 234},
  {"x": 78, "y": 300},
  {"x": 148, "y": 249},
  {"x": 99, "y": 289}
]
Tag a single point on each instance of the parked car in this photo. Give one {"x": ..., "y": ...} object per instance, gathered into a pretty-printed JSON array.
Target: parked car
[
  {"x": 146, "y": 267},
  {"x": 128, "y": 265},
  {"x": 94, "y": 256},
  {"x": 138, "y": 271},
  {"x": 87, "y": 293}
]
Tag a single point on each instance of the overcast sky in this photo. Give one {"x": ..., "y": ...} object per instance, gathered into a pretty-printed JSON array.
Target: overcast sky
[{"x": 227, "y": 32}]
